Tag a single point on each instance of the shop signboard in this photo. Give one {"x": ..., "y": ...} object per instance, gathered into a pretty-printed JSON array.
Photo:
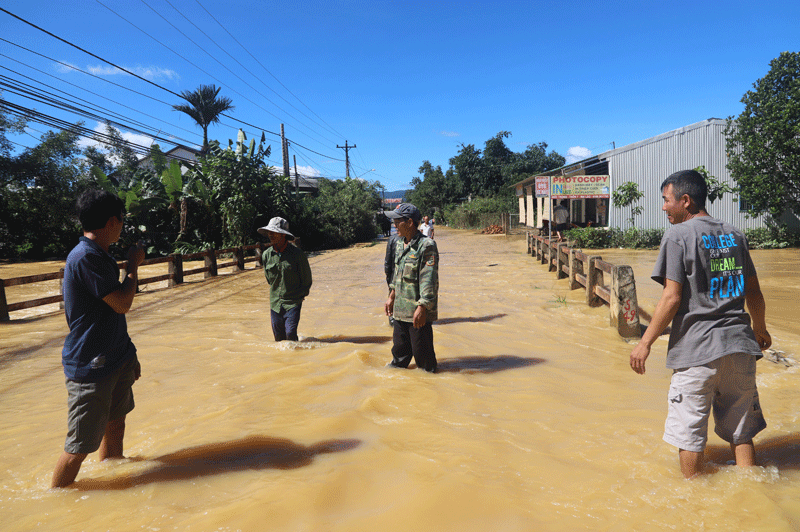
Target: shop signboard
[
  {"x": 580, "y": 187},
  {"x": 542, "y": 186}
]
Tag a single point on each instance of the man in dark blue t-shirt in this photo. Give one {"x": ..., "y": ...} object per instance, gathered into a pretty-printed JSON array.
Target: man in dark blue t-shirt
[{"x": 99, "y": 357}]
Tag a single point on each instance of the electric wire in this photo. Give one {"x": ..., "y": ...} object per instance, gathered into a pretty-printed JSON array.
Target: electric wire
[
  {"x": 92, "y": 92},
  {"x": 198, "y": 68},
  {"x": 53, "y": 102},
  {"x": 86, "y": 113},
  {"x": 33, "y": 115},
  {"x": 218, "y": 61},
  {"x": 265, "y": 68},
  {"x": 134, "y": 74},
  {"x": 246, "y": 69}
]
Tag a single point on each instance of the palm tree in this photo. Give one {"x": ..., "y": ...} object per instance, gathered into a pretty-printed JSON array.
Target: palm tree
[{"x": 205, "y": 107}]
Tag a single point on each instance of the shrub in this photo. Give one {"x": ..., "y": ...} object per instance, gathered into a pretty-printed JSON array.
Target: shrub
[
  {"x": 599, "y": 238},
  {"x": 772, "y": 237}
]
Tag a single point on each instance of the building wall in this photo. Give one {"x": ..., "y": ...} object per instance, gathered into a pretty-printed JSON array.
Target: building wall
[
  {"x": 650, "y": 162},
  {"x": 647, "y": 163}
]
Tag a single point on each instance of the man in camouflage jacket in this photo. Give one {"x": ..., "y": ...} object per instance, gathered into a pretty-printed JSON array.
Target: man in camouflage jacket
[{"x": 414, "y": 291}]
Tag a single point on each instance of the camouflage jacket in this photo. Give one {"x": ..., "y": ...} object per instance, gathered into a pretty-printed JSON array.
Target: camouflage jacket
[{"x": 416, "y": 278}]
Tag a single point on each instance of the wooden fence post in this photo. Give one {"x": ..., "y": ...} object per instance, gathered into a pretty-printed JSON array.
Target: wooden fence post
[
  {"x": 550, "y": 246},
  {"x": 210, "y": 261},
  {"x": 259, "y": 253},
  {"x": 3, "y": 303},
  {"x": 175, "y": 269},
  {"x": 624, "y": 307},
  {"x": 561, "y": 260},
  {"x": 61, "y": 288},
  {"x": 575, "y": 268},
  {"x": 594, "y": 277},
  {"x": 239, "y": 259}
]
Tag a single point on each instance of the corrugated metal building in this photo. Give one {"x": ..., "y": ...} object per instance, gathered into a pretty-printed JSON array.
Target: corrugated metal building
[{"x": 647, "y": 163}]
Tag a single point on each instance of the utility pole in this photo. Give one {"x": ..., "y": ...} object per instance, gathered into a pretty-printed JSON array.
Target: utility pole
[
  {"x": 346, "y": 149},
  {"x": 285, "y": 152},
  {"x": 296, "y": 182}
]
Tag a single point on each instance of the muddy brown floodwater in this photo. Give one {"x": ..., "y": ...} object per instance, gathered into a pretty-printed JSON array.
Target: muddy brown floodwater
[{"x": 535, "y": 421}]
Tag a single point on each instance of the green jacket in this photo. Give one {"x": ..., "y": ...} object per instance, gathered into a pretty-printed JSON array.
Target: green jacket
[
  {"x": 416, "y": 278},
  {"x": 288, "y": 275}
]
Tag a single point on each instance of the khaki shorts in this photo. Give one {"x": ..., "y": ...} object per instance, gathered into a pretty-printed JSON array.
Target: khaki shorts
[
  {"x": 93, "y": 404},
  {"x": 726, "y": 386}
]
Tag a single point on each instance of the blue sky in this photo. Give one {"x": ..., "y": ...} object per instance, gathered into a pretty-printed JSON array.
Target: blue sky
[{"x": 407, "y": 81}]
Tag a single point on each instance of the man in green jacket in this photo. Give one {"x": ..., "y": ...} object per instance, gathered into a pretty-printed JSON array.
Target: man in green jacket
[
  {"x": 414, "y": 291},
  {"x": 289, "y": 276}
]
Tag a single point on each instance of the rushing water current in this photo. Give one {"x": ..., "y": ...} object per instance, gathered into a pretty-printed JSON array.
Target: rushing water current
[{"x": 535, "y": 420}]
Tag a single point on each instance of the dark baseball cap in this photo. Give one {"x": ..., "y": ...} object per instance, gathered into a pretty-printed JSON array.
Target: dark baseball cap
[{"x": 404, "y": 210}]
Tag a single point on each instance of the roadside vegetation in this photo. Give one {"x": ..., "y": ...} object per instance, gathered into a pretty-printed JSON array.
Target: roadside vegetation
[
  {"x": 477, "y": 185},
  {"x": 217, "y": 202},
  {"x": 222, "y": 199}
]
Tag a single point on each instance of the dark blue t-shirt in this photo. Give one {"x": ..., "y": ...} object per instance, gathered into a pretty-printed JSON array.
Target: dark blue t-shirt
[{"x": 98, "y": 341}]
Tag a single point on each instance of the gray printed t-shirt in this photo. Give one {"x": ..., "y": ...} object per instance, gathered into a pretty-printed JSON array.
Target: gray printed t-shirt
[{"x": 711, "y": 260}]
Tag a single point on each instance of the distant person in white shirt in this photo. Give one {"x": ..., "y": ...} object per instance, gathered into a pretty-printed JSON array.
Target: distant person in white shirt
[
  {"x": 561, "y": 218},
  {"x": 425, "y": 227}
]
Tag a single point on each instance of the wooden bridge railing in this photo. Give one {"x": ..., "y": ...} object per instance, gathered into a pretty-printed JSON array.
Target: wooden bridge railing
[
  {"x": 589, "y": 272},
  {"x": 175, "y": 275}
]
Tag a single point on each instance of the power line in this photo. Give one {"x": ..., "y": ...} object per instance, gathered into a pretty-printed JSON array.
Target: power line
[
  {"x": 214, "y": 58},
  {"x": 132, "y": 73},
  {"x": 20, "y": 89},
  {"x": 84, "y": 72},
  {"x": 58, "y": 123},
  {"x": 241, "y": 65},
  {"x": 194, "y": 65},
  {"x": 90, "y": 92},
  {"x": 265, "y": 68}
]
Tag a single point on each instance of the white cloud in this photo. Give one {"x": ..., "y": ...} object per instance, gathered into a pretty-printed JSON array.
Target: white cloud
[
  {"x": 577, "y": 153},
  {"x": 135, "y": 138},
  {"x": 303, "y": 171},
  {"x": 102, "y": 70},
  {"x": 152, "y": 73},
  {"x": 64, "y": 69},
  {"x": 450, "y": 134},
  {"x": 306, "y": 171}
]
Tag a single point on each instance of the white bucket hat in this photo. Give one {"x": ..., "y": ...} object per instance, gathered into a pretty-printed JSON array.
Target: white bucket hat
[{"x": 276, "y": 225}]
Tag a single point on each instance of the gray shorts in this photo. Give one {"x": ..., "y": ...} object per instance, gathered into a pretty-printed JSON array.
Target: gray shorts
[
  {"x": 93, "y": 404},
  {"x": 726, "y": 386}
]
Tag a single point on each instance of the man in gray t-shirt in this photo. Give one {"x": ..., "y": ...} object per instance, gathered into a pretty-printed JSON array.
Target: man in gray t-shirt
[{"x": 708, "y": 276}]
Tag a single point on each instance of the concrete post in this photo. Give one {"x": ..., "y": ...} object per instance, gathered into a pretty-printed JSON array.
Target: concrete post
[{"x": 624, "y": 307}]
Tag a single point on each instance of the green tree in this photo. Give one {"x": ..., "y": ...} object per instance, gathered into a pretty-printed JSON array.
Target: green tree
[
  {"x": 9, "y": 122},
  {"x": 243, "y": 192},
  {"x": 627, "y": 195},
  {"x": 434, "y": 190},
  {"x": 468, "y": 167},
  {"x": 496, "y": 157},
  {"x": 39, "y": 188},
  {"x": 534, "y": 160},
  {"x": 763, "y": 142},
  {"x": 716, "y": 188},
  {"x": 342, "y": 213},
  {"x": 205, "y": 107}
]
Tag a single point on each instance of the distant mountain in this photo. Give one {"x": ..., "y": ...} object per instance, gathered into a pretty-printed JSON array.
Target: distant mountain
[{"x": 396, "y": 194}]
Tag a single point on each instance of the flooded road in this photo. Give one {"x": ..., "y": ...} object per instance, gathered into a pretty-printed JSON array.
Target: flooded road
[{"x": 534, "y": 422}]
